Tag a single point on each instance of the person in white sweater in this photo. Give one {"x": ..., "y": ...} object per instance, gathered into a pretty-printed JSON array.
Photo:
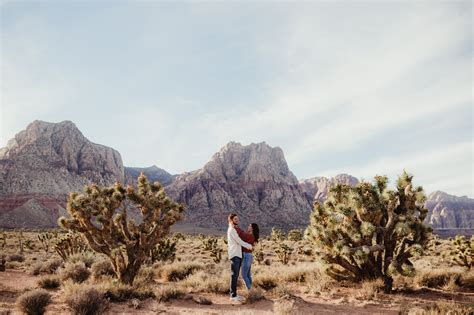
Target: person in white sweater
[{"x": 234, "y": 248}]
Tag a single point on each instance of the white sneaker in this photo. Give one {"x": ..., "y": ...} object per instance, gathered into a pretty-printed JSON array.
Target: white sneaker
[{"x": 237, "y": 298}]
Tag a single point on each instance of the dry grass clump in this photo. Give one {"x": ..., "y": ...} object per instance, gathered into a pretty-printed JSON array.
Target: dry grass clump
[
  {"x": 76, "y": 272},
  {"x": 119, "y": 292},
  {"x": 212, "y": 281},
  {"x": 319, "y": 283},
  {"x": 370, "y": 289},
  {"x": 438, "y": 308},
  {"x": 102, "y": 268},
  {"x": 179, "y": 271},
  {"x": 15, "y": 257},
  {"x": 145, "y": 276},
  {"x": 266, "y": 281},
  {"x": 296, "y": 274},
  {"x": 33, "y": 302},
  {"x": 254, "y": 295},
  {"x": 284, "y": 306},
  {"x": 88, "y": 258},
  {"x": 49, "y": 282},
  {"x": 436, "y": 278},
  {"x": 49, "y": 267},
  {"x": 166, "y": 293},
  {"x": 467, "y": 280},
  {"x": 84, "y": 299}
]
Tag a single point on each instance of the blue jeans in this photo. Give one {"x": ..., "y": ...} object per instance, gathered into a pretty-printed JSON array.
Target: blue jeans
[
  {"x": 246, "y": 266},
  {"x": 235, "y": 263}
]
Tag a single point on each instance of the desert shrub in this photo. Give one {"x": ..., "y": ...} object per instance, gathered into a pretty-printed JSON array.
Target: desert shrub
[
  {"x": 33, "y": 302},
  {"x": 283, "y": 291},
  {"x": 254, "y": 295},
  {"x": 145, "y": 276},
  {"x": 265, "y": 281},
  {"x": 49, "y": 282},
  {"x": 119, "y": 292},
  {"x": 76, "y": 272},
  {"x": 284, "y": 306},
  {"x": 164, "y": 251},
  {"x": 369, "y": 290},
  {"x": 295, "y": 235},
  {"x": 166, "y": 293},
  {"x": 436, "y": 278},
  {"x": 16, "y": 257},
  {"x": 258, "y": 254},
  {"x": 318, "y": 282},
  {"x": 442, "y": 307},
  {"x": 467, "y": 280},
  {"x": 85, "y": 300},
  {"x": 212, "y": 281},
  {"x": 102, "y": 268},
  {"x": 125, "y": 242},
  {"x": 368, "y": 231},
  {"x": 86, "y": 257},
  {"x": 50, "y": 266},
  {"x": 35, "y": 269},
  {"x": 179, "y": 271},
  {"x": 295, "y": 274}
]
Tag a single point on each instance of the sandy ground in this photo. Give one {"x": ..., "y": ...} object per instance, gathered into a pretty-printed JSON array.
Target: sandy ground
[{"x": 14, "y": 282}]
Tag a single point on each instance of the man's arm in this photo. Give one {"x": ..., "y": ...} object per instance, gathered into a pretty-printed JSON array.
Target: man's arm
[{"x": 235, "y": 237}]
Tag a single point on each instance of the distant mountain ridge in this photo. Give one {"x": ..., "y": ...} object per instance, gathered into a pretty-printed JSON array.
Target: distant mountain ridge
[
  {"x": 153, "y": 173},
  {"x": 253, "y": 181},
  {"x": 45, "y": 162}
]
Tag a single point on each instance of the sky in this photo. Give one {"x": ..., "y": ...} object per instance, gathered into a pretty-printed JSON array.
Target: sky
[{"x": 356, "y": 87}]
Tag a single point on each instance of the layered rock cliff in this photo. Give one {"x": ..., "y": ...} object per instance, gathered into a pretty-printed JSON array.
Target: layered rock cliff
[
  {"x": 254, "y": 181},
  {"x": 448, "y": 211},
  {"x": 45, "y": 162},
  {"x": 317, "y": 188}
]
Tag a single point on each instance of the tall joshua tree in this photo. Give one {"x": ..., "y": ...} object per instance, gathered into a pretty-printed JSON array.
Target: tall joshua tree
[
  {"x": 368, "y": 231},
  {"x": 100, "y": 215}
]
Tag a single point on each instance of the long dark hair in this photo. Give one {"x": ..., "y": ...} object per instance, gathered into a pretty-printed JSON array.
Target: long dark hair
[{"x": 255, "y": 231}]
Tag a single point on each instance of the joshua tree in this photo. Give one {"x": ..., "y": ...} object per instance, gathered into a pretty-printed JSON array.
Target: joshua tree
[
  {"x": 277, "y": 235},
  {"x": 368, "y": 231},
  {"x": 284, "y": 252},
  {"x": 462, "y": 252},
  {"x": 100, "y": 215},
  {"x": 211, "y": 245},
  {"x": 165, "y": 250}
]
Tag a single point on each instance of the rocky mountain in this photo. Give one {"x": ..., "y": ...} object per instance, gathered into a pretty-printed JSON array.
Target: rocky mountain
[
  {"x": 317, "y": 188},
  {"x": 448, "y": 211},
  {"x": 254, "y": 181},
  {"x": 43, "y": 163},
  {"x": 153, "y": 173}
]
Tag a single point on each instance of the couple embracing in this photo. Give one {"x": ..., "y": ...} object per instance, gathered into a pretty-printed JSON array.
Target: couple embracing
[{"x": 239, "y": 245}]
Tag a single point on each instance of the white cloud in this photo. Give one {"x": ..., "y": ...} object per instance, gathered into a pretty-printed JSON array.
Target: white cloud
[{"x": 441, "y": 168}]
